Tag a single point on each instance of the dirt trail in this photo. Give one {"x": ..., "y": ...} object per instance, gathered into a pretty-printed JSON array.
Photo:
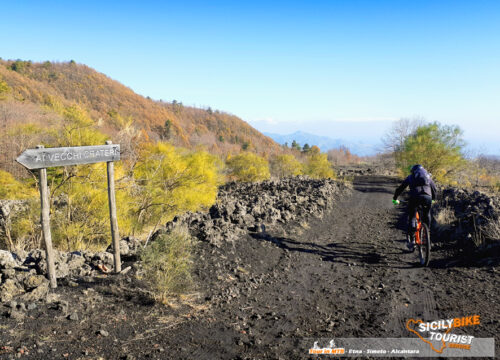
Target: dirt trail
[{"x": 345, "y": 275}]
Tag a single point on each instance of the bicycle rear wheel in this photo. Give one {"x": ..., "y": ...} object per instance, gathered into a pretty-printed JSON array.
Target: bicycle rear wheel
[{"x": 424, "y": 249}]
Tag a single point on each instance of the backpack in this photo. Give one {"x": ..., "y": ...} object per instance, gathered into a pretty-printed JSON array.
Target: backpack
[{"x": 421, "y": 177}]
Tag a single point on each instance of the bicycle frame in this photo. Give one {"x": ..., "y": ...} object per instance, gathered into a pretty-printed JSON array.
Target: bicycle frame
[
  {"x": 421, "y": 238},
  {"x": 417, "y": 232}
]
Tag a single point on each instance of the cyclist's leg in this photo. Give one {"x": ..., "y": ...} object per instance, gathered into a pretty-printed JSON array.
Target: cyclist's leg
[
  {"x": 412, "y": 218},
  {"x": 412, "y": 214},
  {"x": 426, "y": 202}
]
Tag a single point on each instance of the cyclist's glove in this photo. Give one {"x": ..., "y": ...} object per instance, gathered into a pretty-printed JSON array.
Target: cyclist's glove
[{"x": 395, "y": 202}]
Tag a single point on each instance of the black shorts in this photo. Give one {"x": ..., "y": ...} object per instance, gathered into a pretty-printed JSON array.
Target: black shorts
[{"x": 425, "y": 201}]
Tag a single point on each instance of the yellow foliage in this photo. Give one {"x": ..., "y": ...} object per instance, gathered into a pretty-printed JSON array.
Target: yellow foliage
[
  {"x": 317, "y": 166},
  {"x": 285, "y": 166},
  {"x": 438, "y": 148},
  {"x": 248, "y": 167},
  {"x": 4, "y": 89},
  {"x": 25, "y": 229},
  {"x": 171, "y": 180},
  {"x": 25, "y": 130},
  {"x": 81, "y": 215},
  {"x": 11, "y": 189},
  {"x": 78, "y": 129}
]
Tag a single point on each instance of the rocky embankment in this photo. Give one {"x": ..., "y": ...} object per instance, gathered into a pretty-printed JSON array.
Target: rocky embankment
[
  {"x": 470, "y": 215},
  {"x": 348, "y": 171},
  {"x": 241, "y": 207},
  {"x": 22, "y": 274}
]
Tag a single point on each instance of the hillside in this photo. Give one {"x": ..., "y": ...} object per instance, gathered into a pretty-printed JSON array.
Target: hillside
[{"x": 114, "y": 104}]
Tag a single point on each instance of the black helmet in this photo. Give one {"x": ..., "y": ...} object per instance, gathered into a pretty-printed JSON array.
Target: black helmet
[{"x": 415, "y": 168}]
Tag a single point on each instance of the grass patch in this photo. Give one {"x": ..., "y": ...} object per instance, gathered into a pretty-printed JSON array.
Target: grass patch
[
  {"x": 492, "y": 229},
  {"x": 445, "y": 217},
  {"x": 167, "y": 264}
]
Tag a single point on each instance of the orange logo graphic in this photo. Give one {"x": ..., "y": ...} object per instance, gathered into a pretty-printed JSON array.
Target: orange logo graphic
[
  {"x": 443, "y": 343},
  {"x": 445, "y": 338}
]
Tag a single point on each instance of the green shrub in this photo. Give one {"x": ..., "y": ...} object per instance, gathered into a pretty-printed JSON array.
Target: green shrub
[{"x": 167, "y": 264}]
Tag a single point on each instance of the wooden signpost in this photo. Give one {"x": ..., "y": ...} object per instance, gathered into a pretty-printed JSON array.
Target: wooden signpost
[{"x": 41, "y": 158}]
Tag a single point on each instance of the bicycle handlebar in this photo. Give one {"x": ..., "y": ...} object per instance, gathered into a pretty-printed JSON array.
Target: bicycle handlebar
[{"x": 400, "y": 202}]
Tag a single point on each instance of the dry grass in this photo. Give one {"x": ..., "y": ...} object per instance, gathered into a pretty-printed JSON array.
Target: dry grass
[
  {"x": 167, "y": 266},
  {"x": 445, "y": 217},
  {"x": 492, "y": 229}
]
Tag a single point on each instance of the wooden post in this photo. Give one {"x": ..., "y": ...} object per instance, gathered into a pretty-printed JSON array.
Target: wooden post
[
  {"x": 112, "y": 214},
  {"x": 45, "y": 220}
]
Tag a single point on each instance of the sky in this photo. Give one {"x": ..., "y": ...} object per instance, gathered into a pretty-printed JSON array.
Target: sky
[{"x": 333, "y": 68}]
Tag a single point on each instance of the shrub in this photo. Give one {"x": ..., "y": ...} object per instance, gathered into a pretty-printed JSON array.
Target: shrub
[
  {"x": 436, "y": 147},
  {"x": 492, "y": 229},
  {"x": 25, "y": 230},
  {"x": 166, "y": 264},
  {"x": 4, "y": 89},
  {"x": 317, "y": 166},
  {"x": 248, "y": 167},
  {"x": 20, "y": 65},
  {"x": 80, "y": 213},
  {"x": 285, "y": 166},
  {"x": 171, "y": 180},
  {"x": 11, "y": 189},
  {"x": 445, "y": 216}
]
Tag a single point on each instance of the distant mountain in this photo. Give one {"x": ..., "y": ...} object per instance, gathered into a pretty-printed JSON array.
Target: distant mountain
[{"x": 325, "y": 143}]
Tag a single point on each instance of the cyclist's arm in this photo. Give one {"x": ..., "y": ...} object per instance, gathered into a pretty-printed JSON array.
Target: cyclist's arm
[{"x": 401, "y": 188}]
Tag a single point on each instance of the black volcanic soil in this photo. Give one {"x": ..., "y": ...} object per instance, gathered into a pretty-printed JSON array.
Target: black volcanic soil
[{"x": 345, "y": 275}]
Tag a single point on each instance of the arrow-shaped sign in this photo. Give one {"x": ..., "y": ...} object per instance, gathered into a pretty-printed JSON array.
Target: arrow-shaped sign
[{"x": 64, "y": 156}]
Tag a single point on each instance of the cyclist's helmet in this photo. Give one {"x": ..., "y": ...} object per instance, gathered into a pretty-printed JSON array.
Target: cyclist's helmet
[{"x": 415, "y": 168}]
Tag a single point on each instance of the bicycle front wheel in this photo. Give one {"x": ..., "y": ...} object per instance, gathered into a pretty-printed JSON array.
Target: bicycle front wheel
[{"x": 424, "y": 249}]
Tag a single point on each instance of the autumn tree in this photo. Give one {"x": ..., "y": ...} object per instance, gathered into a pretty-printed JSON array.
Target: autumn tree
[
  {"x": 170, "y": 180},
  {"x": 437, "y": 147},
  {"x": 317, "y": 166},
  {"x": 4, "y": 89},
  {"x": 395, "y": 137},
  {"x": 342, "y": 156},
  {"x": 285, "y": 166},
  {"x": 248, "y": 167}
]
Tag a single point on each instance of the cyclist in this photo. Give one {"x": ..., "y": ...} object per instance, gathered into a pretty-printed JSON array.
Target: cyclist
[{"x": 422, "y": 192}]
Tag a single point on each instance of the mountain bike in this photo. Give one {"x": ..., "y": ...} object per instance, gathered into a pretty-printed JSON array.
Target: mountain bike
[{"x": 422, "y": 239}]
